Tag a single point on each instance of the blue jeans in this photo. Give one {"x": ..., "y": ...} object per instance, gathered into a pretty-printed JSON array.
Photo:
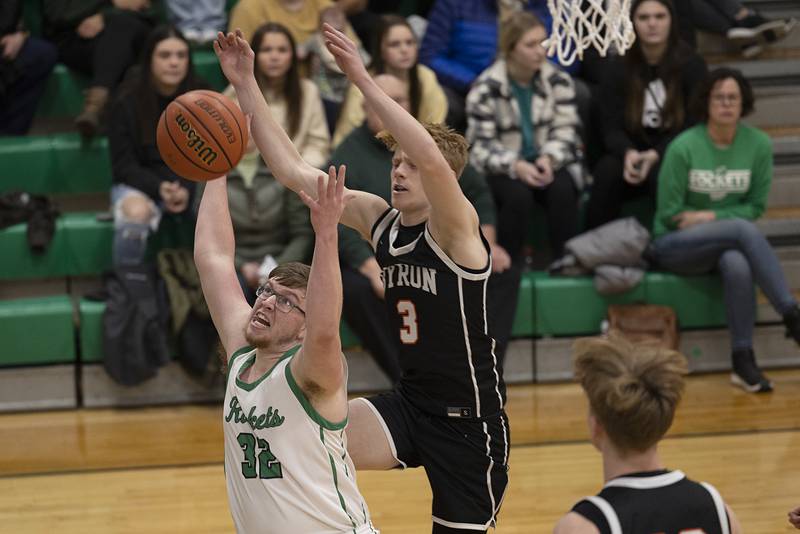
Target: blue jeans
[
  {"x": 741, "y": 254},
  {"x": 130, "y": 237}
]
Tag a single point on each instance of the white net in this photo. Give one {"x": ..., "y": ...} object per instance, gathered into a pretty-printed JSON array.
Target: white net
[{"x": 579, "y": 24}]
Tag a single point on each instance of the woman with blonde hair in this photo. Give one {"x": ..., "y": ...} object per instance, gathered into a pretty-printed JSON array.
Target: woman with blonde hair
[
  {"x": 522, "y": 123},
  {"x": 633, "y": 391}
]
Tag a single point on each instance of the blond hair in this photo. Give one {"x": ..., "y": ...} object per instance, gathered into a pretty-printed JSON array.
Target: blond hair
[
  {"x": 451, "y": 144},
  {"x": 512, "y": 28},
  {"x": 633, "y": 389}
]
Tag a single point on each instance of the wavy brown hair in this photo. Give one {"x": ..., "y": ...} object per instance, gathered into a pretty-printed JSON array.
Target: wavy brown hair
[
  {"x": 633, "y": 390},
  {"x": 291, "y": 90}
]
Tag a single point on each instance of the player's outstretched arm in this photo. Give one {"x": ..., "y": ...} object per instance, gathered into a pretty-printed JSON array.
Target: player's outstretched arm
[
  {"x": 319, "y": 367},
  {"x": 236, "y": 59},
  {"x": 451, "y": 212},
  {"x": 213, "y": 255}
]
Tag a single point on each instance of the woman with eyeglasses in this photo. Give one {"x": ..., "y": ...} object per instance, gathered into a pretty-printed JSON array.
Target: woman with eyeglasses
[{"x": 713, "y": 184}]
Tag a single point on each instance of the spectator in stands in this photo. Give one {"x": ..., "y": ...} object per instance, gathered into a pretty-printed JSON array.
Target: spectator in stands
[
  {"x": 325, "y": 73},
  {"x": 523, "y": 128},
  {"x": 300, "y": 17},
  {"x": 143, "y": 186},
  {"x": 198, "y": 20},
  {"x": 633, "y": 391},
  {"x": 394, "y": 52},
  {"x": 100, "y": 39},
  {"x": 461, "y": 41},
  {"x": 369, "y": 163},
  {"x": 644, "y": 99},
  {"x": 740, "y": 24},
  {"x": 25, "y": 64},
  {"x": 713, "y": 184},
  {"x": 270, "y": 222}
]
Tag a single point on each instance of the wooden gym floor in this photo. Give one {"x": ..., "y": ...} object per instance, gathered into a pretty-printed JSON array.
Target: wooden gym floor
[{"x": 159, "y": 470}]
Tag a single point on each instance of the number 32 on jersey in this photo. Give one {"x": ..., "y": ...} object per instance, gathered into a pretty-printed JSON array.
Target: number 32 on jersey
[{"x": 409, "y": 332}]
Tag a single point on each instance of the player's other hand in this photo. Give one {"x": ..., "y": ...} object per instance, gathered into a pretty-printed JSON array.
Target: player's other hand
[
  {"x": 345, "y": 52},
  {"x": 331, "y": 199},
  {"x": 236, "y": 58},
  {"x": 794, "y": 517}
]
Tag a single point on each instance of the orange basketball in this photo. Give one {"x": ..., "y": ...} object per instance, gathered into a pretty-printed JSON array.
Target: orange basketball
[{"x": 201, "y": 135}]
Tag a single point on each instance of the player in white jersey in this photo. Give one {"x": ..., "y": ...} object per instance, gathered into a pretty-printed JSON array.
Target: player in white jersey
[{"x": 286, "y": 463}]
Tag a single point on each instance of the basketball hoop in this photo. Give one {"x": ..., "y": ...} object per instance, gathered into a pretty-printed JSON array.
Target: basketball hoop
[{"x": 579, "y": 24}]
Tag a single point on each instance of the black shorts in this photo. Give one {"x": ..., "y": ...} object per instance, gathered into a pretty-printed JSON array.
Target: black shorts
[{"x": 466, "y": 461}]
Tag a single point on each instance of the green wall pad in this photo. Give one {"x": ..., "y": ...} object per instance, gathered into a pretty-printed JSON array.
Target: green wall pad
[
  {"x": 571, "y": 305},
  {"x": 37, "y": 331},
  {"x": 81, "y": 246},
  {"x": 58, "y": 163},
  {"x": 91, "y": 330},
  {"x": 523, "y": 319},
  {"x": 697, "y": 300}
]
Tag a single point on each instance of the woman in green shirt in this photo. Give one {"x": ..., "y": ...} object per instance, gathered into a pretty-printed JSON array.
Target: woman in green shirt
[{"x": 713, "y": 183}]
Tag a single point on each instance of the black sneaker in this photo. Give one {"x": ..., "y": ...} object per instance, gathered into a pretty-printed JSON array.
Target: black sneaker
[
  {"x": 746, "y": 373},
  {"x": 754, "y": 25},
  {"x": 792, "y": 321}
]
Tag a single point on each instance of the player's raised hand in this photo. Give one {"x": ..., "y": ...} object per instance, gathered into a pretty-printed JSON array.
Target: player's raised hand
[
  {"x": 345, "y": 52},
  {"x": 236, "y": 58},
  {"x": 327, "y": 209}
]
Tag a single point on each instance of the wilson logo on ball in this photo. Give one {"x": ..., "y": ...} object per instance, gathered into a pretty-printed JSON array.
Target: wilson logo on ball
[
  {"x": 217, "y": 116},
  {"x": 195, "y": 142}
]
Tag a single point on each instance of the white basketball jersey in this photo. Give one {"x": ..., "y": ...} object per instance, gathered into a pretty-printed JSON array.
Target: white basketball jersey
[{"x": 286, "y": 467}]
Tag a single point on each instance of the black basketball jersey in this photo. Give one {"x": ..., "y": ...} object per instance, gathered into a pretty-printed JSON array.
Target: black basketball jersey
[
  {"x": 437, "y": 310},
  {"x": 656, "y": 502}
]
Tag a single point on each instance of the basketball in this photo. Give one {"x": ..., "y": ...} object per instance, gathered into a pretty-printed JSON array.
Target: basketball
[{"x": 201, "y": 135}]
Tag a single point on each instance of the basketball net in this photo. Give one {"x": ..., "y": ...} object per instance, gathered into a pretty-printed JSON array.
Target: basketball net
[{"x": 579, "y": 24}]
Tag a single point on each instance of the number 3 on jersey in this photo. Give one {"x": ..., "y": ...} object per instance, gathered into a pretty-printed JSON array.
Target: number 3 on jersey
[{"x": 408, "y": 332}]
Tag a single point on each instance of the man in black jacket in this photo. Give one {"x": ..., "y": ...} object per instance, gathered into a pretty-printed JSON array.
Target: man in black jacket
[{"x": 25, "y": 64}]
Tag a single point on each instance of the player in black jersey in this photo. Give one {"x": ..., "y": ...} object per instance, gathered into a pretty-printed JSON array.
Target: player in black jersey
[
  {"x": 447, "y": 412},
  {"x": 633, "y": 391}
]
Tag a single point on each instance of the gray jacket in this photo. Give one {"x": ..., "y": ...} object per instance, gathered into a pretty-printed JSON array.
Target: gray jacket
[{"x": 612, "y": 251}]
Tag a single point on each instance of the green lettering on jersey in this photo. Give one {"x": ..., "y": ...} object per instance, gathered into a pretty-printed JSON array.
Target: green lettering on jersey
[{"x": 270, "y": 419}]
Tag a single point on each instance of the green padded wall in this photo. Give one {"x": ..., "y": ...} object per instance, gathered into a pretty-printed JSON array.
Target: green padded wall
[
  {"x": 81, "y": 246},
  {"x": 37, "y": 331},
  {"x": 568, "y": 306},
  {"x": 91, "y": 327},
  {"x": 523, "y": 319},
  {"x": 697, "y": 300},
  {"x": 57, "y": 163}
]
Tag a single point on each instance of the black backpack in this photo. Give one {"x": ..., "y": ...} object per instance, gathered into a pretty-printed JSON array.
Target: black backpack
[{"x": 134, "y": 330}]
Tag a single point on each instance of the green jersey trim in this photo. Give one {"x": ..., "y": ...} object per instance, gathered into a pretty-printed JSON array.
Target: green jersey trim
[
  {"x": 310, "y": 410},
  {"x": 232, "y": 358},
  {"x": 336, "y": 481},
  {"x": 250, "y": 386}
]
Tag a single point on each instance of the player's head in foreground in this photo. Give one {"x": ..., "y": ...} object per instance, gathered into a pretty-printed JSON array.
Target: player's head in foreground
[{"x": 633, "y": 391}]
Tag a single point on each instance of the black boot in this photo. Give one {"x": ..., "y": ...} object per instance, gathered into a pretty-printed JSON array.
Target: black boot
[
  {"x": 792, "y": 321},
  {"x": 746, "y": 373}
]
